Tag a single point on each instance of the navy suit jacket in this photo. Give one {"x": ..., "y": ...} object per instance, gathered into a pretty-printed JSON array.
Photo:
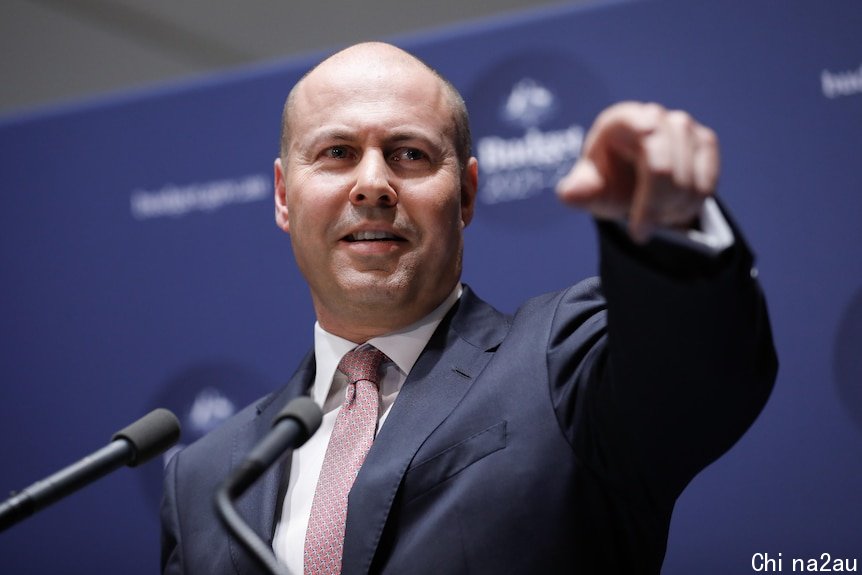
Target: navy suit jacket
[{"x": 552, "y": 441}]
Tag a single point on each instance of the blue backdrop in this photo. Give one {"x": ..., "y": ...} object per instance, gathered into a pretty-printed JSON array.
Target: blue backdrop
[{"x": 141, "y": 266}]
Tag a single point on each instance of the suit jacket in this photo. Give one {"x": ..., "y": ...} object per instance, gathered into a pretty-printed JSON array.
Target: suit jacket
[{"x": 552, "y": 441}]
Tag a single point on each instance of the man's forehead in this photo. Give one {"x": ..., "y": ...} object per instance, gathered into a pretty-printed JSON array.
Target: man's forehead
[
  {"x": 348, "y": 81},
  {"x": 367, "y": 68}
]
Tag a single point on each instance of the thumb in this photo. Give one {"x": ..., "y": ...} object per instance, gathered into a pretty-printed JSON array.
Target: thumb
[{"x": 582, "y": 184}]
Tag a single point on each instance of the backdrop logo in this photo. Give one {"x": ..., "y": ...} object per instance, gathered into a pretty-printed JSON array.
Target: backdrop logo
[
  {"x": 837, "y": 84},
  {"x": 209, "y": 408},
  {"x": 529, "y": 103},
  {"x": 529, "y": 114}
]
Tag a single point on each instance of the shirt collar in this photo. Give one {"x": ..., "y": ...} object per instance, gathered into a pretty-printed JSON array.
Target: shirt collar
[{"x": 403, "y": 347}]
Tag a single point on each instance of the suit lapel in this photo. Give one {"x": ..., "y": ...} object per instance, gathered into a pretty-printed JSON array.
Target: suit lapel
[
  {"x": 260, "y": 504},
  {"x": 456, "y": 353}
]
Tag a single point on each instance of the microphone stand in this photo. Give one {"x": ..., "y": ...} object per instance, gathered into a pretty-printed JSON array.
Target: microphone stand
[{"x": 292, "y": 427}]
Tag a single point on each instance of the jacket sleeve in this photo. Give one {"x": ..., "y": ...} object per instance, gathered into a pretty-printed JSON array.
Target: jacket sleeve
[{"x": 679, "y": 364}]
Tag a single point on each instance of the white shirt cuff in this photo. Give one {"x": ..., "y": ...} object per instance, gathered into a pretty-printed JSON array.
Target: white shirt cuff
[{"x": 714, "y": 234}]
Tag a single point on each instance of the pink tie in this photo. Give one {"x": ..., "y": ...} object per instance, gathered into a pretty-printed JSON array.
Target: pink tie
[{"x": 349, "y": 444}]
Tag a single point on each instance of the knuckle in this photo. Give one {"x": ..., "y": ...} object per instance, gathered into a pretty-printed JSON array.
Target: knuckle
[
  {"x": 654, "y": 108},
  {"x": 707, "y": 137},
  {"x": 655, "y": 111},
  {"x": 680, "y": 119}
]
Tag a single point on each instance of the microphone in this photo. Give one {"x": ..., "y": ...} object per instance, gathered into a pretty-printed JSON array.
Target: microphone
[
  {"x": 291, "y": 428},
  {"x": 139, "y": 442}
]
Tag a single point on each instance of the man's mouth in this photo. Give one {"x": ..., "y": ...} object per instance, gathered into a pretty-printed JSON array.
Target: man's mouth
[{"x": 372, "y": 236}]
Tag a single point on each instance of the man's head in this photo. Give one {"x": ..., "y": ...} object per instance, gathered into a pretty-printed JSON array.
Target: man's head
[
  {"x": 458, "y": 109},
  {"x": 375, "y": 185}
]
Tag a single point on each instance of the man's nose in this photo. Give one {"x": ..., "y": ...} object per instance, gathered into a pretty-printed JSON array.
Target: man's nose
[{"x": 373, "y": 185}]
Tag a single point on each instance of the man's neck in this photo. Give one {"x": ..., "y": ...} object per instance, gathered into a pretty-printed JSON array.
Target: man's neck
[{"x": 361, "y": 329}]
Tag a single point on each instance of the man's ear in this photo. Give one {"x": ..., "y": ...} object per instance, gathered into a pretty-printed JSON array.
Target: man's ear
[
  {"x": 281, "y": 218},
  {"x": 469, "y": 187}
]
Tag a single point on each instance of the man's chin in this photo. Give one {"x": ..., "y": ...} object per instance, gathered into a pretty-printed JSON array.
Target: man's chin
[{"x": 379, "y": 293}]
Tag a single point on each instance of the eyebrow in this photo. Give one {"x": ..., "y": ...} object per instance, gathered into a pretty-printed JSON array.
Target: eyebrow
[
  {"x": 336, "y": 134},
  {"x": 346, "y": 134},
  {"x": 406, "y": 136}
]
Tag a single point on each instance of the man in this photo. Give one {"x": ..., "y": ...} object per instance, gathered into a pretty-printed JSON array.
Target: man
[{"x": 556, "y": 440}]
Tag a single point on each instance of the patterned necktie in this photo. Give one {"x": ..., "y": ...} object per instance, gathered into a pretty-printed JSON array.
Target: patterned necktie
[{"x": 349, "y": 444}]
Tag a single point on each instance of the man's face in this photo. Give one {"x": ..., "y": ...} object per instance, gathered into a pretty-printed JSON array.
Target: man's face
[{"x": 372, "y": 194}]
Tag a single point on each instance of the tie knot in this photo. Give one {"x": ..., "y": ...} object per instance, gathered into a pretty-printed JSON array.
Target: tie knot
[{"x": 362, "y": 363}]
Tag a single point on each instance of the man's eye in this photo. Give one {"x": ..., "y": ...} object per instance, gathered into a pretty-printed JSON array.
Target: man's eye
[
  {"x": 337, "y": 152},
  {"x": 409, "y": 154}
]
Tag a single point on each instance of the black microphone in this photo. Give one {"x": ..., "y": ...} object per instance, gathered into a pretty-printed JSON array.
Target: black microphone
[
  {"x": 291, "y": 428},
  {"x": 142, "y": 440}
]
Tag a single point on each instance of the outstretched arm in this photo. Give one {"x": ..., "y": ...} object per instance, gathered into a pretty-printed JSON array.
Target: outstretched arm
[{"x": 688, "y": 361}]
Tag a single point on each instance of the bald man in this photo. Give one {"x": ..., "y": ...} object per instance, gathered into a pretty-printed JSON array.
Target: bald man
[{"x": 553, "y": 441}]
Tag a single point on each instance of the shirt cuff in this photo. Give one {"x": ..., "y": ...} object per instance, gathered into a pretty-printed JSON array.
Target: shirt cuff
[{"x": 713, "y": 236}]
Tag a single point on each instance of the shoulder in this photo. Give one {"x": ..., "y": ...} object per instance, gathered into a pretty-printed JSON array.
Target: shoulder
[
  {"x": 544, "y": 317},
  {"x": 575, "y": 305}
]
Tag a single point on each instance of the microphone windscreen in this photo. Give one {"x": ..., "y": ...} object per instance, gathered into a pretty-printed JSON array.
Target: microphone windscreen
[
  {"x": 150, "y": 435},
  {"x": 305, "y": 412}
]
